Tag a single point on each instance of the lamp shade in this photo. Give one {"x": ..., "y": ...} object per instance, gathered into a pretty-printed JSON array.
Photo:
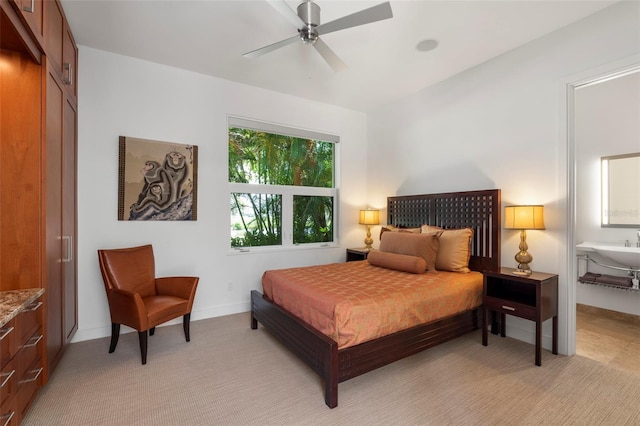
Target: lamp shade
[
  {"x": 524, "y": 217},
  {"x": 369, "y": 217}
]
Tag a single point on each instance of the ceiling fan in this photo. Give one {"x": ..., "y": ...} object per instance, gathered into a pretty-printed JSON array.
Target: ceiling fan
[{"x": 307, "y": 20}]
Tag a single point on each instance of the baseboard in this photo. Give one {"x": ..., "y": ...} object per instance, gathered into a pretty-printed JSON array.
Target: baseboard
[
  {"x": 196, "y": 315},
  {"x": 525, "y": 331},
  {"x": 620, "y": 316}
]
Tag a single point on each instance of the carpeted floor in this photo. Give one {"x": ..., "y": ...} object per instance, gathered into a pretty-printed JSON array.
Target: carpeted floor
[{"x": 230, "y": 374}]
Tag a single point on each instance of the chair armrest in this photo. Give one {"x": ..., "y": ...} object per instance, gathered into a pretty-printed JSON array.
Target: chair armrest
[
  {"x": 127, "y": 308},
  {"x": 184, "y": 287}
]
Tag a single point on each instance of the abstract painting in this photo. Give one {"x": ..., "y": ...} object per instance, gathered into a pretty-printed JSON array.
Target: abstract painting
[{"x": 157, "y": 180}]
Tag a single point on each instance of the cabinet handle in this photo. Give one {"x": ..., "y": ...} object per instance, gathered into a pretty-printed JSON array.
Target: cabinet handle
[
  {"x": 31, "y": 8},
  {"x": 68, "y": 77},
  {"x": 8, "y": 376},
  {"x": 33, "y": 307},
  {"x": 508, "y": 308},
  {"x": 5, "y": 332},
  {"x": 69, "y": 249},
  {"x": 8, "y": 417},
  {"x": 33, "y": 342},
  {"x": 36, "y": 374}
]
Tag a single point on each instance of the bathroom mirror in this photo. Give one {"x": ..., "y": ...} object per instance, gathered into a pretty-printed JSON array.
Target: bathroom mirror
[{"x": 621, "y": 191}]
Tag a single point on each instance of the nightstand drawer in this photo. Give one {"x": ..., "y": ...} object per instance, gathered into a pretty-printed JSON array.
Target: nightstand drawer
[{"x": 511, "y": 308}]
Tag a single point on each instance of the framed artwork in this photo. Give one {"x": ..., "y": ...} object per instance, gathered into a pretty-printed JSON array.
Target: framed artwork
[{"x": 157, "y": 180}]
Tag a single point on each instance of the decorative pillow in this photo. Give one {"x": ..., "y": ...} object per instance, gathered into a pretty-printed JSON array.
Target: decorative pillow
[
  {"x": 411, "y": 244},
  {"x": 455, "y": 248},
  {"x": 391, "y": 228},
  {"x": 399, "y": 262}
]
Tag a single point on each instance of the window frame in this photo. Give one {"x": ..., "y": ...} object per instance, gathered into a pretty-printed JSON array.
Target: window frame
[{"x": 287, "y": 192}]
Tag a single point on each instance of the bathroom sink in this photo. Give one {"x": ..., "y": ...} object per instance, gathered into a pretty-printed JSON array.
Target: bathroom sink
[{"x": 625, "y": 256}]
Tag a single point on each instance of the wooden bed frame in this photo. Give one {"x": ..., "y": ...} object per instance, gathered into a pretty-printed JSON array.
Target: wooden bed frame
[{"x": 479, "y": 210}]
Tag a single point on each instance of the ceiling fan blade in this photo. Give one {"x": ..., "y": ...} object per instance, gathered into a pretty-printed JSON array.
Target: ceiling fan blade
[
  {"x": 366, "y": 16},
  {"x": 283, "y": 8},
  {"x": 332, "y": 59},
  {"x": 271, "y": 47}
]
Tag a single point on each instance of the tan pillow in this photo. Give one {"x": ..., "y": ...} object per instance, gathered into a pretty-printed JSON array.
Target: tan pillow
[
  {"x": 391, "y": 228},
  {"x": 455, "y": 248},
  {"x": 421, "y": 245},
  {"x": 399, "y": 262}
]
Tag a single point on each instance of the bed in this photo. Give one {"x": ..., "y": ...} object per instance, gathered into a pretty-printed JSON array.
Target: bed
[{"x": 336, "y": 361}]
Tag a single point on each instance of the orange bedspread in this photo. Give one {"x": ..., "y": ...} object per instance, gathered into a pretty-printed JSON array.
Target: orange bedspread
[{"x": 354, "y": 302}]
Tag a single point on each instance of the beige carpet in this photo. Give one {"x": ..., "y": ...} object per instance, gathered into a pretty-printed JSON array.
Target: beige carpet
[{"x": 230, "y": 374}]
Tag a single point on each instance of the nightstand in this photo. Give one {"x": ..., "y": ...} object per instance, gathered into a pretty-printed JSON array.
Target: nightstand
[
  {"x": 357, "y": 254},
  {"x": 533, "y": 297}
]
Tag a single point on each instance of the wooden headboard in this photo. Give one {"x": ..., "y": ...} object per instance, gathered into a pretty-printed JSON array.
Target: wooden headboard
[{"x": 479, "y": 210}]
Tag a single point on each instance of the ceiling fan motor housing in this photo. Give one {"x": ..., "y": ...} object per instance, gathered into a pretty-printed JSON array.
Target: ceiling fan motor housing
[{"x": 309, "y": 13}]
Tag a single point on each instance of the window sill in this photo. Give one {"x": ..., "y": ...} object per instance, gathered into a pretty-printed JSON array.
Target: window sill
[{"x": 278, "y": 249}]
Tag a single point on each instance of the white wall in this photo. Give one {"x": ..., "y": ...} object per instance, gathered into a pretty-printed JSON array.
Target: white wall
[
  {"x": 121, "y": 96},
  {"x": 607, "y": 122},
  {"x": 499, "y": 125}
]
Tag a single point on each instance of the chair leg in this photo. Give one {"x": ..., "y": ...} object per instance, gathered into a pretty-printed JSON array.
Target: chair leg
[
  {"x": 152, "y": 331},
  {"x": 115, "y": 333},
  {"x": 186, "y": 319},
  {"x": 142, "y": 336}
]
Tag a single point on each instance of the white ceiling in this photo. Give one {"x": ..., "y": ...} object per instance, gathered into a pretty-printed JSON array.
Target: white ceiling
[{"x": 210, "y": 37}]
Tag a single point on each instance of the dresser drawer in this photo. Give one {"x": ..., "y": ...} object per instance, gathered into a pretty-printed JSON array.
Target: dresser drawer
[
  {"x": 9, "y": 412},
  {"x": 28, "y": 386},
  {"x": 511, "y": 308},
  {"x": 8, "y": 381},
  {"x": 8, "y": 342},
  {"x": 28, "y": 321},
  {"x": 29, "y": 354}
]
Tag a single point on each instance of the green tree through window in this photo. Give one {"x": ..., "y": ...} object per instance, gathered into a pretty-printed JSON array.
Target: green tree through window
[{"x": 280, "y": 185}]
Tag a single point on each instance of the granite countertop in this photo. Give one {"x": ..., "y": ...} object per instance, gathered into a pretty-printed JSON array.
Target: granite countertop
[{"x": 14, "y": 301}]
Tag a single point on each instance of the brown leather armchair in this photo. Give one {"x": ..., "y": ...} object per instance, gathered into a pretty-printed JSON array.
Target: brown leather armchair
[{"x": 140, "y": 300}]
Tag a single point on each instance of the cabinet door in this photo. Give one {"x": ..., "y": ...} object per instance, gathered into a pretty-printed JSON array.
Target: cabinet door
[
  {"x": 54, "y": 30},
  {"x": 69, "y": 264},
  {"x": 69, "y": 63},
  {"x": 55, "y": 104},
  {"x": 61, "y": 48},
  {"x": 60, "y": 195},
  {"x": 32, "y": 14}
]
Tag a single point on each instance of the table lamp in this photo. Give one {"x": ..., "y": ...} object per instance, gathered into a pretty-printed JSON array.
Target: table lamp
[
  {"x": 523, "y": 218},
  {"x": 369, "y": 217}
]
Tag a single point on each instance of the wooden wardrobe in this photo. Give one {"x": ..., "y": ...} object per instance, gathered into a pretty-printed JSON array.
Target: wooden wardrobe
[{"x": 38, "y": 121}]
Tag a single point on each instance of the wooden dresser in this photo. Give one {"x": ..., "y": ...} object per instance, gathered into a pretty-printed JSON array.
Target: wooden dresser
[{"x": 21, "y": 351}]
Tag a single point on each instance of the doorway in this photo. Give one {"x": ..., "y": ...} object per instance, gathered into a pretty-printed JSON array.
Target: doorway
[{"x": 603, "y": 113}]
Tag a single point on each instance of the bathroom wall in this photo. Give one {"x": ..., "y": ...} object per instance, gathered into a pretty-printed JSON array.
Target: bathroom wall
[{"x": 607, "y": 117}]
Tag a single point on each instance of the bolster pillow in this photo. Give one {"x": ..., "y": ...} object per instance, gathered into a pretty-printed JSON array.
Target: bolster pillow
[
  {"x": 420, "y": 245},
  {"x": 399, "y": 262}
]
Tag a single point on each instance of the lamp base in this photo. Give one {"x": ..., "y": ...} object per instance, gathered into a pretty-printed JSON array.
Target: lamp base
[
  {"x": 368, "y": 241},
  {"x": 523, "y": 258}
]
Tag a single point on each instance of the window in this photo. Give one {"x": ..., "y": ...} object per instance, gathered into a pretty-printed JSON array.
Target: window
[{"x": 281, "y": 185}]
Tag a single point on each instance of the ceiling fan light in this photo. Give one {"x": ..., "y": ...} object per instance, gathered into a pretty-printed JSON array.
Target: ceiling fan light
[{"x": 308, "y": 35}]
